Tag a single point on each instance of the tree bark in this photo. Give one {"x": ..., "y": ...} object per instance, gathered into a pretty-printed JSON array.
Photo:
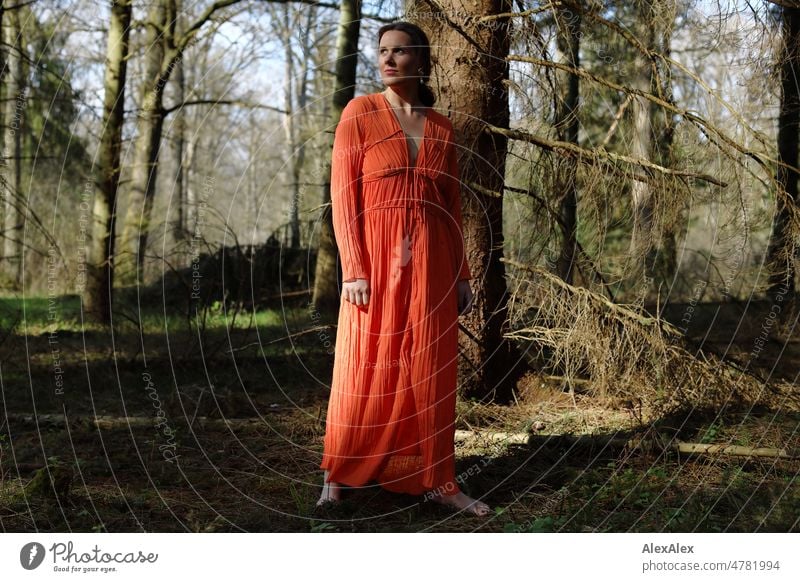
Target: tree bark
[
  {"x": 566, "y": 98},
  {"x": 664, "y": 131},
  {"x": 14, "y": 117},
  {"x": 326, "y": 295},
  {"x": 642, "y": 243},
  {"x": 164, "y": 50},
  {"x": 100, "y": 268},
  {"x": 782, "y": 247},
  {"x": 288, "y": 126},
  {"x": 470, "y": 67},
  {"x": 179, "y": 228},
  {"x": 148, "y": 140}
]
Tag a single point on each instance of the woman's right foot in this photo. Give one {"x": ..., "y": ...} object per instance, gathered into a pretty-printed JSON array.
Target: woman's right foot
[{"x": 331, "y": 491}]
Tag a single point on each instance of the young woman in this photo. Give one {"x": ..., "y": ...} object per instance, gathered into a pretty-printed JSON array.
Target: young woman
[{"x": 396, "y": 205}]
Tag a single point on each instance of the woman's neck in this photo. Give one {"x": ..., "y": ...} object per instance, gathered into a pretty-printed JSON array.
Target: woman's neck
[{"x": 407, "y": 100}]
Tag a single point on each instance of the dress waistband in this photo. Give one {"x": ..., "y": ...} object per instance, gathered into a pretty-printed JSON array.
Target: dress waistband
[{"x": 410, "y": 204}]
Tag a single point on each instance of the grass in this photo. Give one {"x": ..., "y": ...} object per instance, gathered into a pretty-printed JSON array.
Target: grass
[{"x": 264, "y": 475}]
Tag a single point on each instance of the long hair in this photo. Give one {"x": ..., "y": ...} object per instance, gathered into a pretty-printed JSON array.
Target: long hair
[{"x": 420, "y": 44}]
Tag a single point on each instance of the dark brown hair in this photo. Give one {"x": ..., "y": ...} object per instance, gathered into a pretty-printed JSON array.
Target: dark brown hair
[{"x": 419, "y": 42}]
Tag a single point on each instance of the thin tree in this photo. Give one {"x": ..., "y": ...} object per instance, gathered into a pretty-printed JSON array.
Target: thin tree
[
  {"x": 164, "y": 49},
  {"x": 325, "y": 296},
  {"x": 100, "y": 268},
  {"x": 14, "y": 115},
  {"x": 566, "y": 96}
]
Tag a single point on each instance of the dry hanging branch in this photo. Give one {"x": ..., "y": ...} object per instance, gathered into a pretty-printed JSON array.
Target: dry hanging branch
[
  {"x": 627, "y": 354},
  {"x": 602, "y": 155}
]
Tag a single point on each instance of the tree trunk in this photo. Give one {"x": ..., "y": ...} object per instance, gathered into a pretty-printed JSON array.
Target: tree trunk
[
  {"x": 288, "y": 126},
  {"x": 326, "y": 295},
  {"x": 145, "y": 162},
  {"x": 781, "y": 251},
  {"x": 14, "y": 117},
  {"x": 100, "y": 270},
  {"x": 179, "y": 230},
  {"x": 568, "y": 26},
  {"x": 665, "y": 13},
  {"x": 164, "y": 50},
  {"x": 469, "y": 68},
  {"x": 642, "y": 243},
  {"x": 298, "y": 165}
]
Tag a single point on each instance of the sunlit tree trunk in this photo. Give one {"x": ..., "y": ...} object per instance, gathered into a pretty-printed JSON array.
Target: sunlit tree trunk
[
  {"x": 14, "y": 117},
  {"x": 642, "y": 239},
  {"x": 145, "y": 162},
  {"x": 326, "y": 294},
  {"x": 470, "y": 68},
  {"x": 100, "y": 270}
]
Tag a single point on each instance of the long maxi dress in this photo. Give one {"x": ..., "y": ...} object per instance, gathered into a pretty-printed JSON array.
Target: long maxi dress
[{"x": 391, "y": 413}]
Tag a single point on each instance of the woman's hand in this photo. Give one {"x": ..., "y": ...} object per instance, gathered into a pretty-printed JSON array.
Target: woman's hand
[
  {"x": 464, "y": 297},
  {"x": 356, "y": 291}
]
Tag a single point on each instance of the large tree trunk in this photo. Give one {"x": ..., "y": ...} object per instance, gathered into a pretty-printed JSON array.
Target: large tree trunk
[
  {"x": 100, "y": 270},
  {"x": 465, "y": 60},
  {"x": 782, "y": 247},
  {"x": 326, "y": 294},
  {"x": 14, "y": 117},
  {"x": 568, "y": 25}
]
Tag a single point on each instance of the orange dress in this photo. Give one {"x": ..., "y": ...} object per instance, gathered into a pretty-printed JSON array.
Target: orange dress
[{"x": 391, "y": 413}]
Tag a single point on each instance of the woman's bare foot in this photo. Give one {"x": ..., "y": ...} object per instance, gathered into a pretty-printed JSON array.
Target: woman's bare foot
[
  {"x": 331, "y": 491},
  {"x": 462, "y": 501}
]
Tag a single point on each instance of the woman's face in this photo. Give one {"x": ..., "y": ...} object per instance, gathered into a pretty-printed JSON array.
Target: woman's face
[{"x": 397, "y": 62}]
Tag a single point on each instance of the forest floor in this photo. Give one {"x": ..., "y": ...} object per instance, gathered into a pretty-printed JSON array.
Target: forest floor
[{"x": 180, "y": 467}]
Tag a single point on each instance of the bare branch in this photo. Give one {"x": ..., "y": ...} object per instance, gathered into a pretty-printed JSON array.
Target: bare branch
[{"x": 602, "y": 155}]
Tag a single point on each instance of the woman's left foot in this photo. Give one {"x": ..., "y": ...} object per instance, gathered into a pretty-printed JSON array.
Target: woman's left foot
[{"x": 463, "y": 501}]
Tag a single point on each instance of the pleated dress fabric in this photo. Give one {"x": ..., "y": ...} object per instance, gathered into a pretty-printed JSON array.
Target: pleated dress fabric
[{"x": 397, "y": 222}]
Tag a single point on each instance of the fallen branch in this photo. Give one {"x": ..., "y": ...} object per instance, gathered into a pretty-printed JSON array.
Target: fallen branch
[
  {"x": 618, "y": 442},
  {"x": 617, "y": 309},
  {"x": 117, "y": 422}
]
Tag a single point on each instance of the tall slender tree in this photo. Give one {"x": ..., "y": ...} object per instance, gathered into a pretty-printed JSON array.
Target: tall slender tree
[
  {"x": 325, "y": 297},
  {"x": 568, "y": 25},
  {"x": 14, "y": 108},
  {"x": 100, "y": 268},
  {"x": 163, "y": 49}
]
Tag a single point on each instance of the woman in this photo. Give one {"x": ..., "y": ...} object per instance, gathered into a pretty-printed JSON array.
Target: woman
[{"x": 395, "y": 196}]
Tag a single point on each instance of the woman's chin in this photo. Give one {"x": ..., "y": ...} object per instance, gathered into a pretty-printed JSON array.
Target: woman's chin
[{"x": 394, "y": 80}]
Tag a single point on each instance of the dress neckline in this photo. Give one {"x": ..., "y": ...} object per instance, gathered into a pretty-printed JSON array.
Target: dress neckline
[{"x": 400, "y": 127}]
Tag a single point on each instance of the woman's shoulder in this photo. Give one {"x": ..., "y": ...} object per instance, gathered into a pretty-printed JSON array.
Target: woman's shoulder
[
  {"x": 357, "y": 104},
  {"x": 442, "y": 122}
]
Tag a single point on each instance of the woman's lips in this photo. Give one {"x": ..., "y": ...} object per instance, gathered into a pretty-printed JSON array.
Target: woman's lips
[{"x": 390, "y": 71}]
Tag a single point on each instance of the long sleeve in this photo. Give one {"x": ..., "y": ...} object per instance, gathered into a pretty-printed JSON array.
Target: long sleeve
[
  {"x": 453, "y": 201},
  {"x": 347, "y": 159}
]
